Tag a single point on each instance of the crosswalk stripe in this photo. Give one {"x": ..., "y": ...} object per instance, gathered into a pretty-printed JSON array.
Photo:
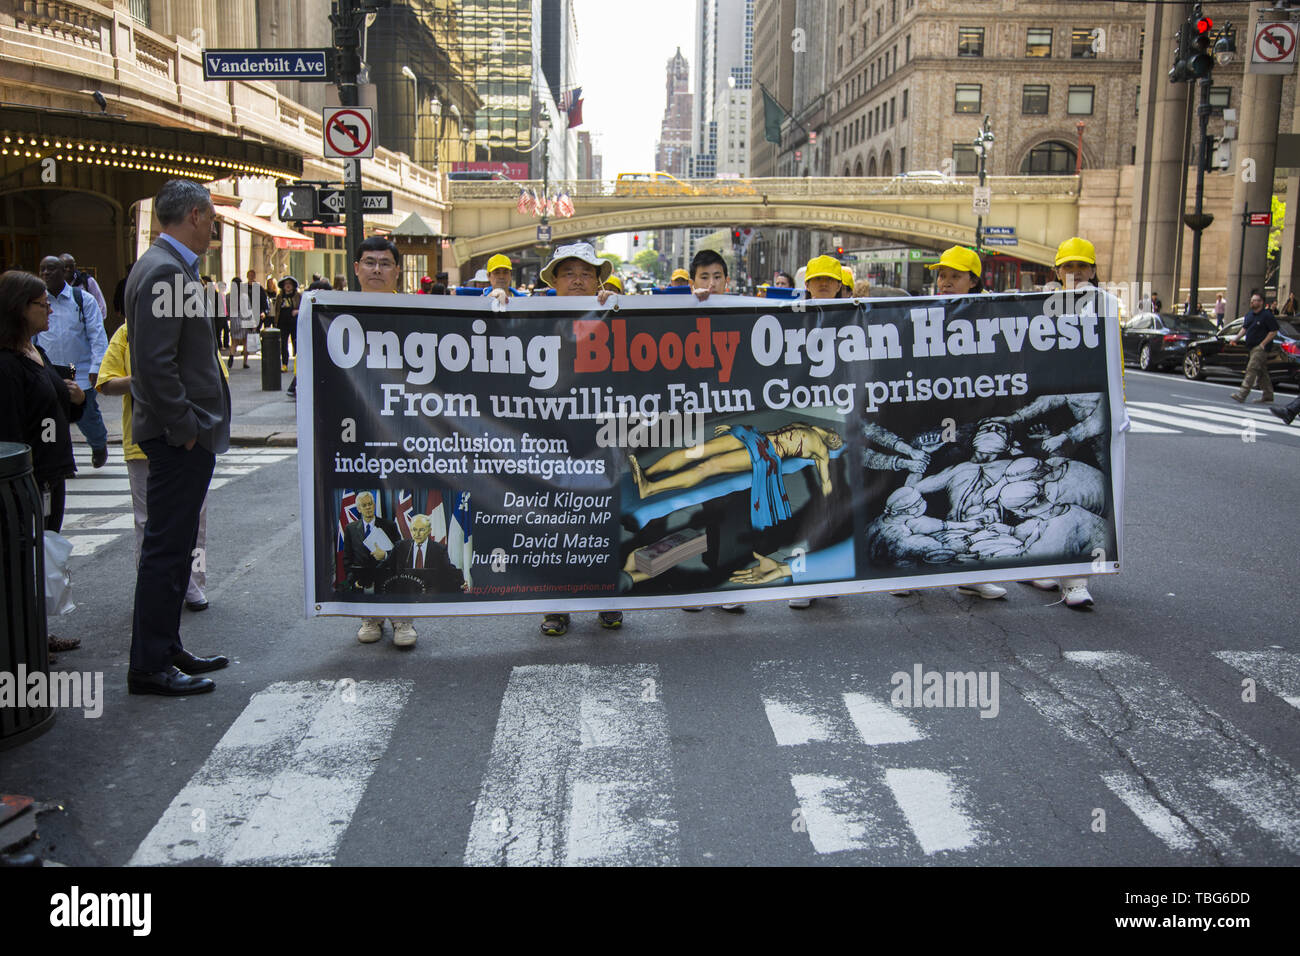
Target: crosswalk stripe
[
  {"x": 1140, "y": 427},
  {"x": 96, "y": 483},
  {"x": 878, "y": 723},
  {"x": 580, "y": 772},
  {"x": 281, "y": 785},
  {"x": 1245, "y": 411},
  {"x": 933, "y": 806},
  {"x": 1155, "y": 816},
  {"x": 834, "y": 814},
  {"x": 1118, "y": 703},
  {"x": 80, "y": 502},
  {"x": 1277, "y": 670},
  {"x": 1239, "y": 420},
  {"x": 1181, "y": 421},
  {"x": 84, "y": 545},
  {"x": 92, "y": 521}
]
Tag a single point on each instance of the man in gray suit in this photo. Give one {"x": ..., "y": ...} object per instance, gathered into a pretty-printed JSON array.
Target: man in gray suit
[{"x": 181, "y": 420}]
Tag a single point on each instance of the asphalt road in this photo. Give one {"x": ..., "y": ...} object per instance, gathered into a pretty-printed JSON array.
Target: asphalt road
[{"x": 1120, "y": 735}]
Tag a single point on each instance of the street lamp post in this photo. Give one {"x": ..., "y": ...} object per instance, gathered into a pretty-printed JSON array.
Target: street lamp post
[
  {"x": 983, "y": 144},
  {"x": 435, "y": 108},
  {"x": 544, "y": 124},
  {"x": 415, "y": 110}
]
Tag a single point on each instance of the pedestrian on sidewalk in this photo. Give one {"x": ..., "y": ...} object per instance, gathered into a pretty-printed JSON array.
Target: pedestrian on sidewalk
[
  {"x": 181, "y": 420},
  {"x": 285, "y": 310},
  {"x": 1259, "y": 329},
  {"x": 76, "y": 338},
  {"x": 242, "y": 304},
  {"x": 115, "y": 379},
  {"x": 33, "y": 395},
  {"x": 84, "y": 281}
]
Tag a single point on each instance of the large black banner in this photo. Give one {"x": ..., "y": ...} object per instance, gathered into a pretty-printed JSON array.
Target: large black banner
[{"x": 458, "y": 458}]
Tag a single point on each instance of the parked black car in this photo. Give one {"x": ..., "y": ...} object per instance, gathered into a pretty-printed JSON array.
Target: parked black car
[
  {"x": 1216, "y": 354},
  {"x": 1159, "y": 341}
]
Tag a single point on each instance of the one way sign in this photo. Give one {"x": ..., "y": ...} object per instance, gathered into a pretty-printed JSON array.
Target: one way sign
[{"x": 378, "y": 201}]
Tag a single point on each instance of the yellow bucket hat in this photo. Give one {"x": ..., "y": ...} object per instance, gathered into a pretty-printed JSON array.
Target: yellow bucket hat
[
  {"x": 616, "y": 282},
  {"x": 824, "y": 267},
  {"x": 1075, "y": 249},
  {"x": 500, "y": 262},
  {"x": 959, "y": 258}
]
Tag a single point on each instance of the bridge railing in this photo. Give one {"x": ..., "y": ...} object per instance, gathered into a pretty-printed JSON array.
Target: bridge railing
[{"x": 812, "y": 187}]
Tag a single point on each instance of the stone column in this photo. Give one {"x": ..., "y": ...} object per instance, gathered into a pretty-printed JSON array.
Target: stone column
[
  {"x": 1261, "y": 105},
  {"x": 1160, "y": 174}
]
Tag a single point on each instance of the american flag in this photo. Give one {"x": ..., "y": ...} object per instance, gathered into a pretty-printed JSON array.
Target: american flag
[
  {"x": 564, "y": 205},
  {"x": 569, "y": 97},
  {"x": 539, "y": 204},
  {"x": 525, "y": 202}
]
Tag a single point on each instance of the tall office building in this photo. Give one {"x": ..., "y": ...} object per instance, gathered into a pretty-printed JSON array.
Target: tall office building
[
  {"x": 673, "y": 149},
  {"x": 499, "y": 37},
  {"x": 725, "y": 60}
]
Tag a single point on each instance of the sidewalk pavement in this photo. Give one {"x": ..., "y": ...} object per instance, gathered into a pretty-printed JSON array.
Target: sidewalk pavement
[{"x": 257, "y": 417}]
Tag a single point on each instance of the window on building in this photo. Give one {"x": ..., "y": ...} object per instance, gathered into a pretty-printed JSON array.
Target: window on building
[
  {"x": 880, "y": 20},
  {"x": 1137, "y": 100},
  {"x": 853, "y": 42},
  {"x": 140, "y": 12},
  {"x": 1220, "y": 97},
  {"x": 1039, "y": 42},
  {"x": 873, "y": 74},
  {"x": 1079, "y": 101},
  {"x": 1034, "y": 99},
  {"x": 964, "y": 161},
  {"x": 907, "y": 50},
  {"x": 904, "y": 111},
  {"x": 1081, "y": 44},
  {"x": 891, "y": 111},
  {"x": 968, "y": 98},
  {"x": 970, "y": 41},
  {"x": 902, "y": 157},
  {"x": 1049, "y": 159},
  {"x": 1142, "y": 42},
  {"x": 841, "y": 25},
  {"x": 839, "y": 58},
  {"x": 893, "y": 59}
]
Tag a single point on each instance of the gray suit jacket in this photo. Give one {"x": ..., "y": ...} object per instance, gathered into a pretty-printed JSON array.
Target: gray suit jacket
[{"x": 177, "y": 388}]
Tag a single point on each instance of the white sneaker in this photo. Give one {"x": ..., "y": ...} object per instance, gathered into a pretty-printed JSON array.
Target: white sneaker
[
  {"x": 371, "y": 630},
  {"x": 907, "y": 593},
  {"x": 799, "y": 603},
  {"x": 989, "y": 592},
  {"x": 1045, "y": 584},
  {"x": 734, "y": 608},
  {"x": 1076, "y": 595},
  {"x": 403, "y": 634}
]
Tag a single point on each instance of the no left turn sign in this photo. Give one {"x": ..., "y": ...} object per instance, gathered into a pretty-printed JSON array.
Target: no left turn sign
[
  {"x": 1274, "y": 48},
  {"x": 348, "y": 132}
]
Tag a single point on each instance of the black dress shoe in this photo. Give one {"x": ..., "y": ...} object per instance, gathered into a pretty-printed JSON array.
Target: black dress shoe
[
  {"x": 168, "y": 683},
  {"x": 197, "y": 605},
  {"x": 98, "y": 456},
  {"x": 187, "y": 663}
]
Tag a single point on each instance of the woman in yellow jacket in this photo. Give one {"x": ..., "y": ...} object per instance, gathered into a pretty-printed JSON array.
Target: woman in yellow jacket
[{"x": 115, "y": 379}]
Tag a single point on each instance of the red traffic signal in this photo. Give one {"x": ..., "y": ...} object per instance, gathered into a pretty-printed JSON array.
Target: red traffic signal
[
  {"x": 636, "y": 239},
  {"x": 1204, "y": 25},
  {"x": 839, "y": 250}
]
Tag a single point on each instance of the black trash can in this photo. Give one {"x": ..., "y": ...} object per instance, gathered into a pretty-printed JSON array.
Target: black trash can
[
  {"x": 24, "y": 648},
  {"x": 270, "y": 360}
]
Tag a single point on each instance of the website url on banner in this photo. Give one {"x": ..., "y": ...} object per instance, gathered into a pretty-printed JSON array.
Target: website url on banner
[{"x": 532, "y": 588}]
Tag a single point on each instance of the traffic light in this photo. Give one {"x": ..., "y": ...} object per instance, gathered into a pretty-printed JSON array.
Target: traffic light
[
  {"x": 1200, "y": 61},
  {"x": 1179, "y": 74},
  {"x": 735, "y": 236},
  {"x": 839, "y": 250},
  {"x": 636, "y": 239}
]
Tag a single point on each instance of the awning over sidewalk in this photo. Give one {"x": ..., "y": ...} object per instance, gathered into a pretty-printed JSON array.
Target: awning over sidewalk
[{"x": 284, "y": 238}]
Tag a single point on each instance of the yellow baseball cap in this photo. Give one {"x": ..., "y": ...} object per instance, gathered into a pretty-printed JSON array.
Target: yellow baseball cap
[
  {"x": 1075, "y": 249},
  {"x": 679, "y": 274},
  {"x": 824, "y": 267},
  {"x": 846, "y": 277},
  {"x": 959, "y": 258},
  {"x": 500, "y": 262},
  {"x": 616, "y": 282}
]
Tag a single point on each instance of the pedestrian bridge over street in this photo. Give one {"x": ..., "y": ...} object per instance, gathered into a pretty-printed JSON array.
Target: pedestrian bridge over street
[{"x": 1044, "y": 210}]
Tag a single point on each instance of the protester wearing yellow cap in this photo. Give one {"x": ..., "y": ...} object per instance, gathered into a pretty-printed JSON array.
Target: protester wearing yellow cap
[
  {"x": 1076, "y": 263},
  {"x": 614, "y": 284},
  {"x": 679, "y": 277},
  {"x": 500, "y": 272},
  {"x": 847, "y": 279},
  {"x": 959, "y": 272},
  {"x": 823, "y": 278},
  {"x": 1076, "y": 268}
]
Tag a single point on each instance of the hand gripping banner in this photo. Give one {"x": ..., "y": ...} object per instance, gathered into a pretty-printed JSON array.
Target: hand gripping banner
[{"x": 456, "y": 458}]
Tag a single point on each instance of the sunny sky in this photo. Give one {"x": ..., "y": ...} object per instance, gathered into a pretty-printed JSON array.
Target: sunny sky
[{"x": 623, "y": 48}]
